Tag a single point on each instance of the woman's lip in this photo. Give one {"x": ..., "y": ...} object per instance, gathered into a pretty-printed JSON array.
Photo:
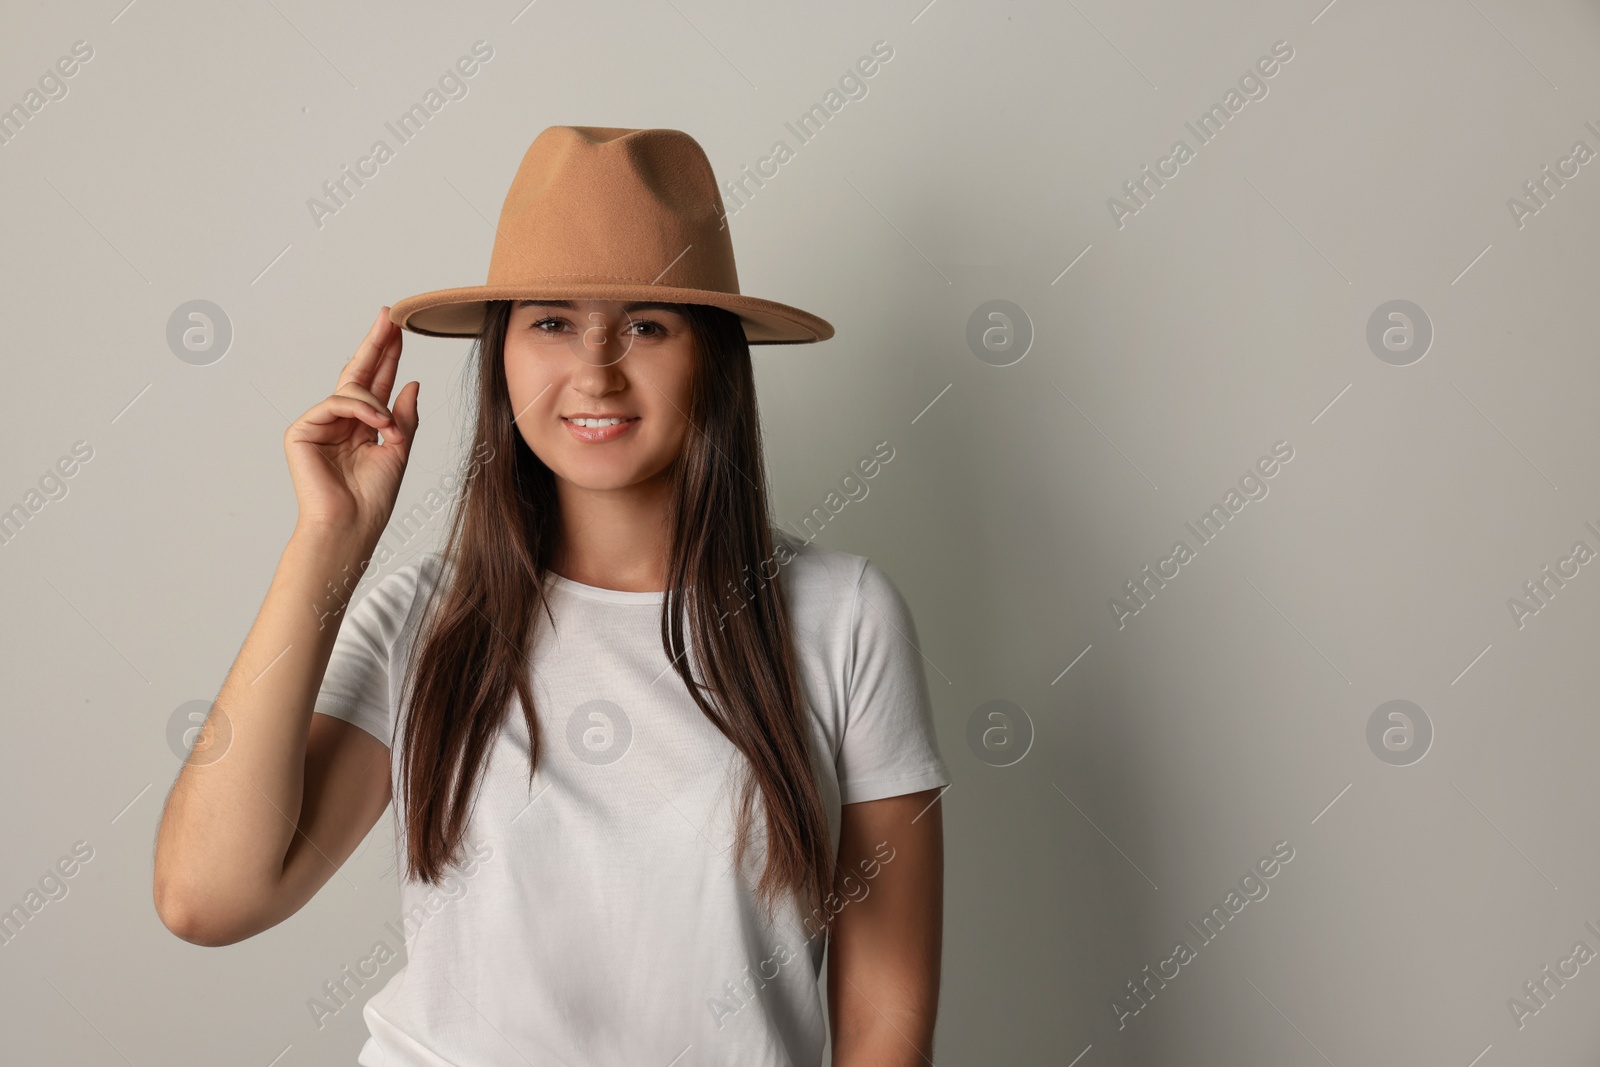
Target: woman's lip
[{"x": 598, "y": 434}]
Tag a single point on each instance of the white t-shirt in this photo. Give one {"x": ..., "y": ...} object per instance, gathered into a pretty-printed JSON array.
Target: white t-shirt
[{"x": 596, "y": 919}]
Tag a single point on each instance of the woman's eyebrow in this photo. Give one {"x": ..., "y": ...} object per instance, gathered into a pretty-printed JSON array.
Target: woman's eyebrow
[{"x": 637, "y": 306}]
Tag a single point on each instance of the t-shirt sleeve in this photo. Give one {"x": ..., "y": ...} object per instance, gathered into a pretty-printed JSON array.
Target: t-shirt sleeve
[
  {"x": 889, "y": 745},
  {"x": 356, "y": 686}
]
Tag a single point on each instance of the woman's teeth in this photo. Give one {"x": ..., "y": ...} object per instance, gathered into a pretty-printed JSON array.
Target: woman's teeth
[{"x": 596, "y": 422}]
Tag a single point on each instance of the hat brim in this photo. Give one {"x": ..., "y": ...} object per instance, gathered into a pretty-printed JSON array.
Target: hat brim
[{"x": 459, "y": 312}]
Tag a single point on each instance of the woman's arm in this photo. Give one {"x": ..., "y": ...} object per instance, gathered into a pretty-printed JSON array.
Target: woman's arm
[
  {"x": 271, "y": 802},
  {"x": 883, "y": 956}
]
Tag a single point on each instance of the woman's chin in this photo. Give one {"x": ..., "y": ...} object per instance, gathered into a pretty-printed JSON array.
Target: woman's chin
[{"x": 600, "y": 476}]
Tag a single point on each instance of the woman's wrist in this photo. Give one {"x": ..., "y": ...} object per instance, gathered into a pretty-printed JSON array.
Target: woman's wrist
[{"x": 340, "y": 542}]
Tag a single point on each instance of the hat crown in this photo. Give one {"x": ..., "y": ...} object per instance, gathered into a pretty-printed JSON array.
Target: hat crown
[
  {"x": 603, "y": 204},
  {"x": 608, "y": 213}
]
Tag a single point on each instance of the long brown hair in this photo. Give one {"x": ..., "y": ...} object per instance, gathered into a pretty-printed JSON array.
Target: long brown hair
[{"x": 473, "y": 653}]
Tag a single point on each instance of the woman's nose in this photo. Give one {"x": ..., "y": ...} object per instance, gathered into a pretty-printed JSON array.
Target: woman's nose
[{"x": 601, "y": 343}]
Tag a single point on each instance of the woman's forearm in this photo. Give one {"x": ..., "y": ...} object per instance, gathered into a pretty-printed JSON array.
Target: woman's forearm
[{"x": 232, "y": 813}]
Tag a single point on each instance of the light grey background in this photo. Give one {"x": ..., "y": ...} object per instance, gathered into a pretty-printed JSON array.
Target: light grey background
[{"x": 1228, "y": 314}]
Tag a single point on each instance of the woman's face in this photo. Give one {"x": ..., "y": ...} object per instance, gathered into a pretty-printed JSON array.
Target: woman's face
[{"x": 568, "y": 362}]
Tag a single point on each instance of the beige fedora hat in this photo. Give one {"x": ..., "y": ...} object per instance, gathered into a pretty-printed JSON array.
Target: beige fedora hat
[{"x": 601, "y": 213}]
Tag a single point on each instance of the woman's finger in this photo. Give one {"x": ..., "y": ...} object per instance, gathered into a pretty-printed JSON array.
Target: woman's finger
[
  {"x": 388, "y": 366},
  {"x": 361, "y": 365},
  {"x": 323, "y": 423},
  {"x": 361, "y": 392}
]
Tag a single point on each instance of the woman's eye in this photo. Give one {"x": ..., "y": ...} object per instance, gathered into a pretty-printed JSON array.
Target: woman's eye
[{"x": 640, "y": 327}]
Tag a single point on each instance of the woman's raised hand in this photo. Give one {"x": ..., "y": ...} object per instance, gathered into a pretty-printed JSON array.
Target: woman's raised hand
[{"x": 345, "y": 481}]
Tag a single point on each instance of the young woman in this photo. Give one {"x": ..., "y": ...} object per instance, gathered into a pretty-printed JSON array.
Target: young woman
[{"x": 649, "y": 754}]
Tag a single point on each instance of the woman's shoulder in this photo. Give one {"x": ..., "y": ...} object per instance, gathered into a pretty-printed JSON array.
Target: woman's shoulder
[
  {"x": 827, "y": 581},
  {"x": 402, "y": 585},
  {"x": 806, "y": 563}
]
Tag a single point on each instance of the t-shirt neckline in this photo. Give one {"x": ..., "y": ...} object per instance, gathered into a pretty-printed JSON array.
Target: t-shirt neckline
[{"x": 614, "y": 596}]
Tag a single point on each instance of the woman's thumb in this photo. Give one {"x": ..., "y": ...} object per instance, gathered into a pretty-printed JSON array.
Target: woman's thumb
[{"x": 408, "y": 401}]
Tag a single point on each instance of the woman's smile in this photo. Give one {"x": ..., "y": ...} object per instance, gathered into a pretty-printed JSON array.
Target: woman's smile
[{"x": 593, "y": 430}]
